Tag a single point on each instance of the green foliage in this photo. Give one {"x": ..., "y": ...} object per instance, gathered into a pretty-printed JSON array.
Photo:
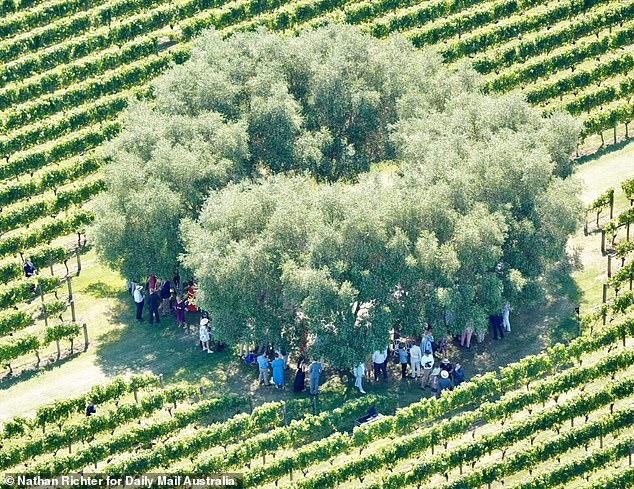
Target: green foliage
[
  {"x": 405, "y": 421},
  {"x": 29, "y": 19},
  {"x": 45, "y": 233},
  {"x": 66, "y": 147},
  {"x": 61, "y": 331},
  {"x": 87, "y": 427},
  {"x": 72, "y": 26},
  {"x": 50, "y": 179},
  {"x": 412, "y": 445},
  {"x": 332, "y": 123},
  {"x": 496, "y": 34},
  {"x": 16, "y": 347},
  {"x": 276, "y": 255},
  {"x": 545, "y": 41},
  {"x": 27, "y": 288},
  {"x": 603, "y": 200},
  {"x": 628, "y": 188},
  {"x": 23, "y": 215},
  {"x": 11, "y": 321}
]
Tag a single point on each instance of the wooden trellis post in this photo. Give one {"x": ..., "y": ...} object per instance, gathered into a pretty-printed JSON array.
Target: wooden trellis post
[
  {"x": 71, "y": 301},
  {"x": 85, "y": 336},
  {"x": 78, "y": 255},
  {"x": 43, "y": 306}
]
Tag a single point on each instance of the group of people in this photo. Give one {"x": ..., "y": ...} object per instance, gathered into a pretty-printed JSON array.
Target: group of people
[
  {"x": 277, "y": 361},
  {"x": 500, "y": 323},
  {"x": 416, "y": 357},
  {"x": 419, "y": 357},
  {"x": 162, "y": 297}
]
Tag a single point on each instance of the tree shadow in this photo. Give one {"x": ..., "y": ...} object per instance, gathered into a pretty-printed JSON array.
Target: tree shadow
[
  {"x": 49, "y": 362},
  {"x": 102, "y": 290},
  {"x": 164, "y": 348},
  {"x": 609, "y": 148}
]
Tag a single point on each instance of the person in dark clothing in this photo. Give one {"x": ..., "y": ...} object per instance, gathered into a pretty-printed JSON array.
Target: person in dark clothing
[
  {"x": 300, "y": 378},
  {"x": 165, "y": 293},
  {"x": 458, "y": 375},
  {"x": 154, "y": 301},
  {"x": 446, "y": 365},
  {"x": 403, "y": 359},
  {"x": 90, "y": 409},
  {"x": 177, "y": 282},
  {"x": 497, "y": 324},
  {"x": 444, "y": 383},
  {"x": 29, "y": 268}
]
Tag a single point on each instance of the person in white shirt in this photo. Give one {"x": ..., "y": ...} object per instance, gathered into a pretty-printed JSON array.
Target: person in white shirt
[
  {"x": 379, "y": 359},
  {"x": 415, "y": 355},
  {"x": 139, "y": 300},
  {"x": 359, "y": 370},
  {"x": 427, "y": 362}
]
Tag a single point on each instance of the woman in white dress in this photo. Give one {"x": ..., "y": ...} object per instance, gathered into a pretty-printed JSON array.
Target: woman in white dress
[
  {"x": 359, "y": 370},
  {"x": 204, "y": 335}
]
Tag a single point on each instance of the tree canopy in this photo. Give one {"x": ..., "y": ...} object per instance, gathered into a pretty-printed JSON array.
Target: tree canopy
[{"x": 326, "y": 188}]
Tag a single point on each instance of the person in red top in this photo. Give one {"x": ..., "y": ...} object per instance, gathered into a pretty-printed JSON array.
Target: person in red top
[
  {"x": 191, "y": 298},
  {"x": 152, "y": 282}
]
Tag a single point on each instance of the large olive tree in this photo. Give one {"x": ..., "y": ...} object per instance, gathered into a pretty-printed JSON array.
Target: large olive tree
[{"x": 328, "y": 187}]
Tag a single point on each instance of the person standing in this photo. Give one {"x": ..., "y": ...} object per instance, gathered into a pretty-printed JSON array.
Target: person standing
[
  {"x": 446, "y": 365},
  {"x": 506, "y": 313},
  {"x": 369, "y": 366},
  {"x": 151, "y": 282},
  {"x": 443, "y": 347},
  {"x": 359, "y": 371},
  {"x": 191, "y": 298},
  {"x": 154, "y": 301},
  {"x": 90, "y": 409},
  {"x": 166, "y": 293},
  {"x": 180, "y": 307},
  {"x": 444, "y": 383},
  {"x": 427, "y": 362},
  {"x": 176, "y": 280},
  {"x": 427, "y": 341},
  {"x": 379, "y": 358},
  {"x": 278, "y": 371},
  {"x": 465, "y": 339},
  {"x": 263, "y": 365},
  {"x": 402, "y": 358},
  {"x": 458, "y": 375},
  {"x": 139, "y": 300},
  {"x": 415, "y": 356},
  {"x": 29, "y": 268},
  {"x": 204, "y": 335},
  {"x": 496, "y": 324},
  {"x": 313, "y": 371},
  {"x": 300, "y": 378}
]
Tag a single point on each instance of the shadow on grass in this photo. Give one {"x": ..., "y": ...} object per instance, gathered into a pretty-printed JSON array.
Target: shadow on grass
[
  {"x": 49, "y": 363},
  {"x": 609, "y": 148},
  {"x": 102, "y": 290},
  {"x": 134, "y": 347},
  {"x": 166, "y": 349}
]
